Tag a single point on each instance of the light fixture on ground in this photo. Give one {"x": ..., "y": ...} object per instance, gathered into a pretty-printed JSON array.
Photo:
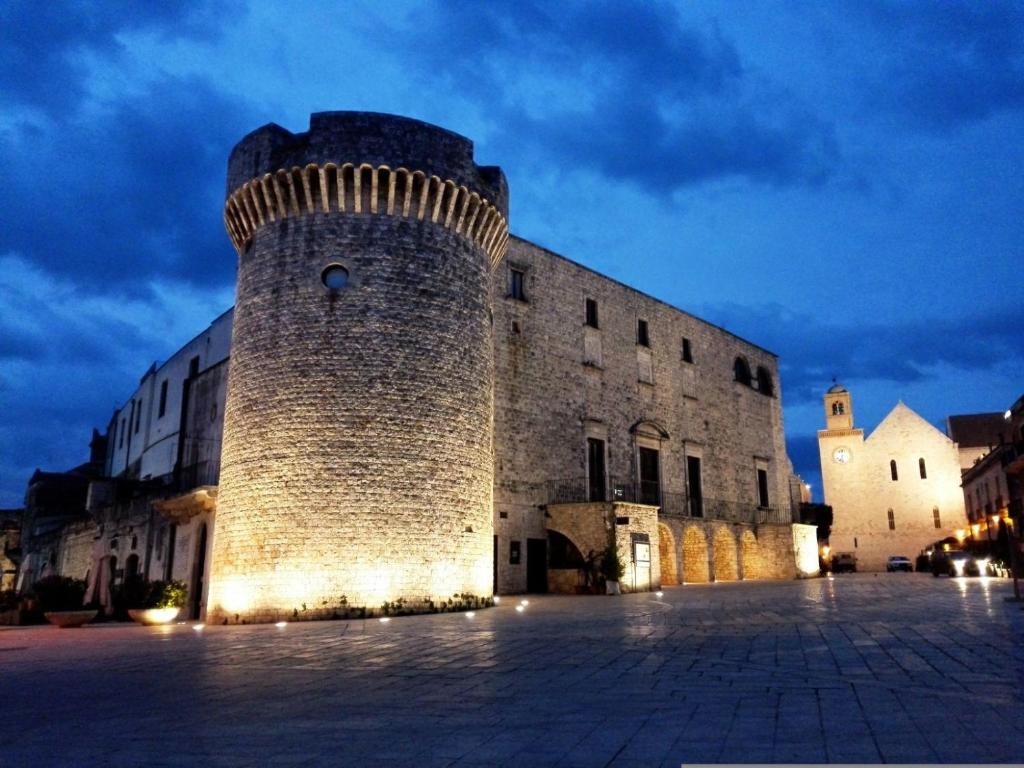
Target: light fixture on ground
[
  {"x": 281, "y": 624},
  {"x": 520, "y": 608}
]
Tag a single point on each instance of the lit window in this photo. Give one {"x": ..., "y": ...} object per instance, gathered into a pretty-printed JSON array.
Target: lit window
[
  {"x": 892, "y": 470},
  {"x": 643, "y": 337},
  {"x": 591, "y": 318},
  {"x": 892, "y": 520},
  {"x": 921, "y": 468},
  {"x": 334, "y": 277},
  {"x": 516, "y": 284}
]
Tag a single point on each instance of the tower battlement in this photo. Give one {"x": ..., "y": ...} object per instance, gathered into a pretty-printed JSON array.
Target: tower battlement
[{"x": 367, "y": 164}]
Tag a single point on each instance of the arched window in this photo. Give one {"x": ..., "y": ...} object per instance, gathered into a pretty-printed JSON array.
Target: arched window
[
  {"x": 892, "y": 470},
  {"x": 921, "y": 468},
  {"x": 742, "y": 371},
  {"x": 764, "y": 381}
]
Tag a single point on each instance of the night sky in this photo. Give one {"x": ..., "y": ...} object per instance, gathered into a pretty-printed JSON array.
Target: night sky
[{"x": 839, "y": 183}]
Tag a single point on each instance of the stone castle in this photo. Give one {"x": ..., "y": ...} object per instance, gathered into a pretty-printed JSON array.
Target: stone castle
[{"x": 415, "y": 406}]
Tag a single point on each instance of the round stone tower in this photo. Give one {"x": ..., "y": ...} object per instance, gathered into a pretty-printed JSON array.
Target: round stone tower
[{"x": 357, "y": 460}]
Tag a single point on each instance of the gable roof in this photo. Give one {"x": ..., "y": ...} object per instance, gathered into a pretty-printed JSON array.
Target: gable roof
[
  {"x": 902, "y": 413},
  {"x": 976, "y": 430}
]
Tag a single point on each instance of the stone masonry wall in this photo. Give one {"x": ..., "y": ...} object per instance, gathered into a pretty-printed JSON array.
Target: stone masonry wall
[
  {"x": 548, "y": 401},
  {"x": 357, "y": 456}
]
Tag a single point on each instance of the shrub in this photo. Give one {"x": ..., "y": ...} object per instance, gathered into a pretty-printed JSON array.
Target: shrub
[
  {"x": 59, "y": 593},
  {"x": 166, "y": 594},
  {"x": 611, "y": 566}
]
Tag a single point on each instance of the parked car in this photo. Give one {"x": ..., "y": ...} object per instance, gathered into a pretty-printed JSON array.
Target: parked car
[
  {"x": 844, "y": 562},
  {"x": 899, "y": 563},
  {"x": 957, "y": 563}
]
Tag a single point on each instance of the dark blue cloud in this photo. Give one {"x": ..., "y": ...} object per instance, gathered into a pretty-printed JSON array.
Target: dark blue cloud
[
  {"x": 651, "y": 100},
  {"x": 43, "y": 46},
  {"x": 814, "y": 349},
  {"x": 952, "y": 62},
  {"x": 129, "y": 195}
]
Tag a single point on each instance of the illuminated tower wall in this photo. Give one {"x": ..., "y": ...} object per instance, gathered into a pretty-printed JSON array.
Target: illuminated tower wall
[{"x": 357, "y": 457}]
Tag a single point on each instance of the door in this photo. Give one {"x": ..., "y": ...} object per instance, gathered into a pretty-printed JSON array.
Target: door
[
  {"x": 695, "y": 485},
  {"x": 536, "y": 565},
  {"x": 595, "y": 470},
  {"x": 650, "y": 477},
  {"x": 198, "y": 571}
]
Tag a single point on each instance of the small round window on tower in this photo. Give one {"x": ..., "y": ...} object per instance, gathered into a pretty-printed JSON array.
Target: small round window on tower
[{"x": 335, "y": 277}]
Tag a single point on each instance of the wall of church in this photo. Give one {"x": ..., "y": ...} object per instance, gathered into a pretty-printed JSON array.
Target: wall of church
[{"x": 558, "y": 382}]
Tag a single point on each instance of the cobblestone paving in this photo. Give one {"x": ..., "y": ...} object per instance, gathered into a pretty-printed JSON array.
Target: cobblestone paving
[{"x": 862, "y": 668}]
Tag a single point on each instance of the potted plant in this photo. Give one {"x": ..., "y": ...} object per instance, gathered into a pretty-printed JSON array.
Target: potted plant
[
  {"x": 159, "y": 602},
  {"x": 60, "y": 599},
  {"x": 612, "y": 569}
]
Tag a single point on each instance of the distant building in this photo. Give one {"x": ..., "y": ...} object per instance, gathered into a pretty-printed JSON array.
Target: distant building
[
  {"x": 975, "y": 435},
  {"x": 892, "y": 493},
  {"x": 10, "y": 546},
  {"x": 993, "y": 484}
]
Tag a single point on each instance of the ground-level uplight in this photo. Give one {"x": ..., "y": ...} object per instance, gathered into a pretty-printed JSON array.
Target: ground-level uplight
[
  {"x": 470, "y": 614},
  {"x": 659, "y": 594},
  {"x": 198, "y": 627},
  {"x": 281, "y": 624},
  {"x": 524, "y": 602},
  {"x": 384, "y": 619},
  {"x": 520, "y": 608},
  {"x": 497, "y": 599}
]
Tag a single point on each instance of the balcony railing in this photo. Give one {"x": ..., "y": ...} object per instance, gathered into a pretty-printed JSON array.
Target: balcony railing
[{"x": 671, "y": 504}]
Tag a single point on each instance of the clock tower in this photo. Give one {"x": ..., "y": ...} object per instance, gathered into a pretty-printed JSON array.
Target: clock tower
[{"x": 840, "y": 449}]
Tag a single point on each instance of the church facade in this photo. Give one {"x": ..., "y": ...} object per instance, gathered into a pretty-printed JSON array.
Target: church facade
[{"x": 893, "y": 492}]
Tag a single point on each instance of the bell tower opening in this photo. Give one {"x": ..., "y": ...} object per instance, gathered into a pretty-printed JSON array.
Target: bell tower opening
[{"x": 838, "y": 408}]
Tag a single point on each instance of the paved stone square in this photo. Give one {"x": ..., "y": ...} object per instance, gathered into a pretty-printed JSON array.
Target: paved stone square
[{"x": 860, "y": 668}]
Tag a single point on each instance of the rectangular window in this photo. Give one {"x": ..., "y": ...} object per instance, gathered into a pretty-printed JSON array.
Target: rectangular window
[
  {"x": 516, "y": 284},
  {"x": 595, "y": 470},
  {"x": 514, "y": 552},
  {"x": 921, "y": 468},
  {"x": 163, "y": 400},
  {"x": 592, "y": 313},
  {"x": 935, "y": 515},
  {"x": 892, "y": 520},
  {"x": 124, "y": 428},
  {"x": 193, "y": 367},
  {"x": 687, "y": 352},
  {"x": 643, "y": 338},
  {"x": 892, "y": 470},
  {"x": 650, "y": 476},
  {"x": 138, "y": 417},
  {"x": 762, "y": 488},
  {"x": 695, "y": 484}
]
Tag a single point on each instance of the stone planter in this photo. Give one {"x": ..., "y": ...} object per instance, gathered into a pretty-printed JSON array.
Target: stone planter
[
  {"x": 69, "y": 619},
  {"x": 153, "y": 616}
]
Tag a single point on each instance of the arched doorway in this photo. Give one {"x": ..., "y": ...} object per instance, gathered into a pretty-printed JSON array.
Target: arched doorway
[
  {"x": 753, "y": 568},
  {"x": 131, "y": 569},
  {"x": 198, "y": 575},
  {"x": 726, "y": 567},
  {"x": 695, "y": 556},
  {"x": 667, "y": 554},
  {"x": 567, "y": 570}
]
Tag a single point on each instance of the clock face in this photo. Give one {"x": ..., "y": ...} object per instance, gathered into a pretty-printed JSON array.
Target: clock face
[{"x": 841, "y": 455}]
